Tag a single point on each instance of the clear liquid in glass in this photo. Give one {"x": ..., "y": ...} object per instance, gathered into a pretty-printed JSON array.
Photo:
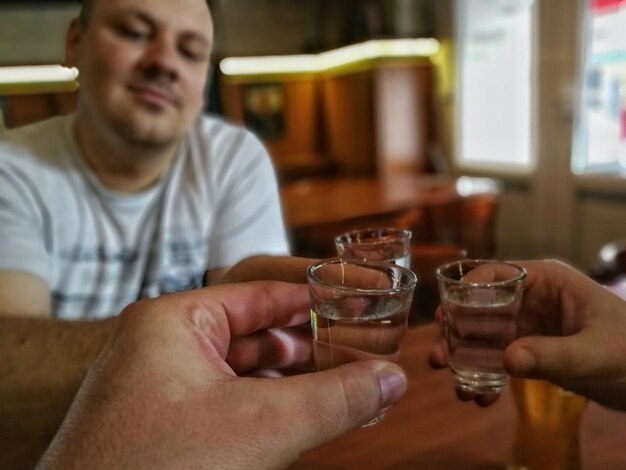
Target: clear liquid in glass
[
  {"x": 479, "y": 325},
  {"x": 340, "y": 340}
]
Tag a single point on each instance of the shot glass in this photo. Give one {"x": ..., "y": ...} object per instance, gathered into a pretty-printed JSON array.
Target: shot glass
[
  {"x": 480, "y": 300},
  {"x": 392, "y": 245},
  {"x": 359, "y": 310},
  {"x": 548, "y": 426}
]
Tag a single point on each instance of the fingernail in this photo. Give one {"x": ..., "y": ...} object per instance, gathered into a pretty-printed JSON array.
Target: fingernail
[
  {"x": 393, "y": 384},
  {"x": 526, "y": 361}
]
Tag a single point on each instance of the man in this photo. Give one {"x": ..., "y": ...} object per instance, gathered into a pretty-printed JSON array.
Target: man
[
  {"x": 164, "y": 392},
  {"x": 134, "y": 195},
  {"x": 573, "y": 331}
]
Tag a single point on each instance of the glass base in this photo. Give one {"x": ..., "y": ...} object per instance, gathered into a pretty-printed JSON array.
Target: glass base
[
  {"x": 480, "y": 382},
  {"x": 372, "y": 422}
]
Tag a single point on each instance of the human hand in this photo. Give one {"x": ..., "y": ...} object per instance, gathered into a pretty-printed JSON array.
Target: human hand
[
  {"x": 571, "y": 333},
  {"x": 164, "y": 391},
  {"x": 263, "y": 268}
]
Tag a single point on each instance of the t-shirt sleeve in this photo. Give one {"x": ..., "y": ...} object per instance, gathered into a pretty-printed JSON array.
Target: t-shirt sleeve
[
  {"x": 249, "y": 220},
  {"x": 21, "y": 226}
]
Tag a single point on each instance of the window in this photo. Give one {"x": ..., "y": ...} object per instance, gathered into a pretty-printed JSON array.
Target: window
[
  {"x": 601, "y": 131},
  {"x": 495, "y": 84}
]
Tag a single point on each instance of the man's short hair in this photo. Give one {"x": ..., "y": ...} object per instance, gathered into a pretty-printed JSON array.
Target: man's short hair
[{"x": 86, "y": 6}]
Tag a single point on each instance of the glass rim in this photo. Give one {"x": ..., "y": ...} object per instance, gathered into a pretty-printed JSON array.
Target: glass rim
[
  {"x": 312, "y": 277},
  {"x": 405, "y": 234},
  {"x": 522, "y": 273}
]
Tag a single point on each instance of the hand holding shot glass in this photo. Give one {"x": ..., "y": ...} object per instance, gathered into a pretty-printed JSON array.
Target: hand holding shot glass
[
  {"x": 480, "y": 300},
  {"x": 359, "y": 310}
]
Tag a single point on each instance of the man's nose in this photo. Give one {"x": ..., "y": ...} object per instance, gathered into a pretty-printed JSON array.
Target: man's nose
[{"x": 161, "y": 56}]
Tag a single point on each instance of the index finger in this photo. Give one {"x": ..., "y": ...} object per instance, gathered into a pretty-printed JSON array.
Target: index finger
[
  {"x": 260, "y": 305},
  {"x": 557, "y": 299},
  {"x": 480, "y": 272}
]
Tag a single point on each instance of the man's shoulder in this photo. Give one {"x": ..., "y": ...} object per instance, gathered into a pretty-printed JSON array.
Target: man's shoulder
[
  {"x": 224, "y": 145},
  {"x": 217, "y": 130}
]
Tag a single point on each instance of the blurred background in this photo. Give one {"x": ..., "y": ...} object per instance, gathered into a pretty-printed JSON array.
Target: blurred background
[{"x": 529, "y": 94}]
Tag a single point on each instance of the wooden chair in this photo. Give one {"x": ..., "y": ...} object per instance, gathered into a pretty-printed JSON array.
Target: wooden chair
[
  {"x": 467, "y": 222},
  {"x": 610, "y": 268},
  {"x": 424, "y": 261},
  {"x": 319, "y": 241},
  {"x": 611, "y": 263}
]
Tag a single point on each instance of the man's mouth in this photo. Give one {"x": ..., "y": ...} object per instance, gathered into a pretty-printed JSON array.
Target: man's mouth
[{"x": 153, "y": 96}]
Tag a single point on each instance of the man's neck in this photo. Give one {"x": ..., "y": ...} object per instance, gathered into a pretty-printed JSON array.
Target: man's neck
[{"x": 122, "y": 166}]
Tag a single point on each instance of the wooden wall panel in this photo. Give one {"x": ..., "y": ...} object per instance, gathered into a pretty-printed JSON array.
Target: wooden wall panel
[
  {"x": 374, "y": 120},
  {"x": 350, "y": 122},
  {"x": 301, "y": 120},
  {"x": 20, "y": 110},
  {"x": 404, "y": 116},
  {"x": 300, "y": 149},
  {"x": 301, "y": 135}
]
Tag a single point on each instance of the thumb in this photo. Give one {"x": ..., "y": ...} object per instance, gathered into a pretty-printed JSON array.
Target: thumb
[{"x": 331, "y": 402}]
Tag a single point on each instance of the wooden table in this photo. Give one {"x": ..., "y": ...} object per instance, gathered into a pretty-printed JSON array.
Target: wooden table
[
  {"x": 437, "y": 209},
  {"x": 311, "y": 203},
  {"x": 431, "y": 429}
]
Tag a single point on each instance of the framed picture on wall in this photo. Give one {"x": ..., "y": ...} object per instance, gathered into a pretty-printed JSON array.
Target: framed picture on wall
[{"x": 263, "y": 110}]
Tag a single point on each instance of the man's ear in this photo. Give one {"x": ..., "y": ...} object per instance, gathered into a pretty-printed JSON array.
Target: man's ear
[{"x": 72, "y": 42}]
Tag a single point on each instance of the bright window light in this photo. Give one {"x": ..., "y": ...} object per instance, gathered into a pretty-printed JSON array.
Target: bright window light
[
  {"x": 495, "y": 84},
  {"x": 601, "y": 132}
]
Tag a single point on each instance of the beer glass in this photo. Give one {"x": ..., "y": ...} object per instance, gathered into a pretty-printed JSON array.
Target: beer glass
[
  {"x": 547, "y": 435},
  {"x": 480, "y": 300},
  {"x": 389, "y": 244},
  {"x": 359, "y": 310}
]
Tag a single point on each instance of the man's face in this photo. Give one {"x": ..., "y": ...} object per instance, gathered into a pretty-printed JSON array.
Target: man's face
[{"x": 143, "y": 67}]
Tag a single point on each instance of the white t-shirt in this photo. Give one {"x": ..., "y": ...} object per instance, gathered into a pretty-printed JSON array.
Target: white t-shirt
[{"x": 99, "y": 250}]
